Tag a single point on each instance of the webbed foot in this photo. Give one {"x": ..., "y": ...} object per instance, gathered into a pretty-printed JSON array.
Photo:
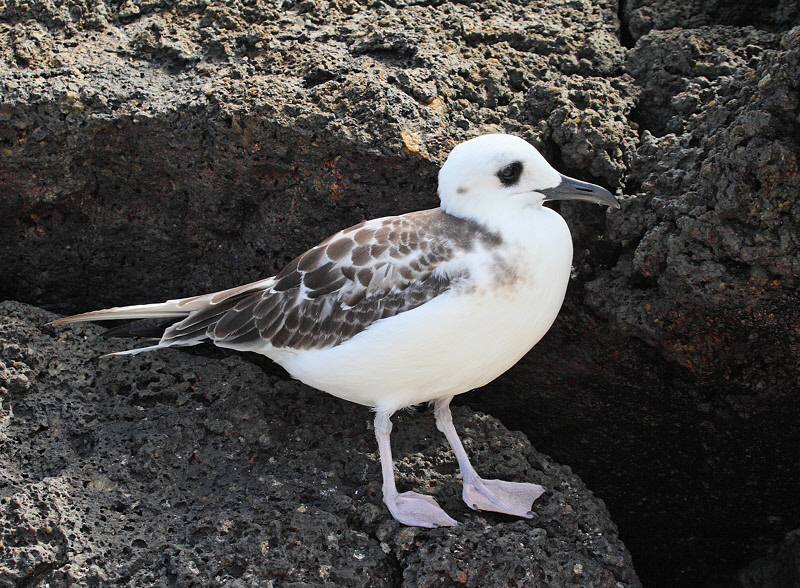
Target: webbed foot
[
  {"x": 418, "y": 510},
  {"x": 513, "y": 498}
]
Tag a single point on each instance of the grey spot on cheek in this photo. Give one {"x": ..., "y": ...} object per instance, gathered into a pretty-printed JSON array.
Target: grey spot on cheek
[{"x": 462, "y": 190}]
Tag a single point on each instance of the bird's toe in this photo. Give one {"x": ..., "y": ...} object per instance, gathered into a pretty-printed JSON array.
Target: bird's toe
[
  {"x": 513, "y": 498},
  {"x": 418, "y": 510}
]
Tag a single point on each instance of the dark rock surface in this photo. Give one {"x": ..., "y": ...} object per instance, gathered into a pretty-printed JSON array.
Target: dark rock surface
[
  {"x": 706, "y": 415},
  {"x": 641, "y": 16},
  {"x": 169, "y": 469},
  {"x": 160, "y": 149},
  {"x": 240, "y": 135},
  {"x": 780, "y": 568}
]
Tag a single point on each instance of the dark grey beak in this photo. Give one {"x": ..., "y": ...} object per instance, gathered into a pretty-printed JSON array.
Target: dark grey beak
[{"x": 572, "y": 189}]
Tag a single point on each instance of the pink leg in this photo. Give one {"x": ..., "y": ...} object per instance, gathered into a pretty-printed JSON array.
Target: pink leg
[
  {"x": 410, "y": 508},
  {"x": 514, "y": 498}
]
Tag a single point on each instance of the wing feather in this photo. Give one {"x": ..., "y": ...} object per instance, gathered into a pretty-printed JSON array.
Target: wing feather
[{"x": 371, "y": 271}]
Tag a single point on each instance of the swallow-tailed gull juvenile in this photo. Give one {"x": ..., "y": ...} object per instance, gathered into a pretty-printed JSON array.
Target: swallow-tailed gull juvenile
[{"x": 407, "y": 309}]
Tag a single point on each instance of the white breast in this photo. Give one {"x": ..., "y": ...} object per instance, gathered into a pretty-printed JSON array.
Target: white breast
[{"x": 460, "y": 340}]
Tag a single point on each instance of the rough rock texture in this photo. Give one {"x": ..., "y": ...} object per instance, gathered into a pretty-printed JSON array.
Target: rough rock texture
[
  {"x": 159, "y": 149},
  {"x": 781, "y": 568},
  {"x": 241, "y": 134},
  {"x": 641, "y": 16},
  {"x": 171, "y": 470},
  {"x": 711, "y": 239},
  {"x": 706, "y": 416}
]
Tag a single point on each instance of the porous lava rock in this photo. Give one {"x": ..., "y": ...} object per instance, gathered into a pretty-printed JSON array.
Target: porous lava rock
[
  {"x": 171, "y": 469},
  {"x": 156, "y": 149}
]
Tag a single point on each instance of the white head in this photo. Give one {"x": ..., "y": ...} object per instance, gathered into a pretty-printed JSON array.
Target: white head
[{"x": 502, "y": 174}]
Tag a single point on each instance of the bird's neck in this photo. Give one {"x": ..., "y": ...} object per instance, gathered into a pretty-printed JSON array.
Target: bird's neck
[{"x": 523, "y": 225}]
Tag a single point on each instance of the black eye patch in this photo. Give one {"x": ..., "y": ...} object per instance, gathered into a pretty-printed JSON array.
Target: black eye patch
[{"x": 510, "y": 174}]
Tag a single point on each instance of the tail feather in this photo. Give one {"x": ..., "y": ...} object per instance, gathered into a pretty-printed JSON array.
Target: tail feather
[
  {"x": 178, "y": 309},
  {"x": 140, "y": 311},
  {"x": 171, "y": 309},
  {"x": 136, "y": 351},
  {"x": 139, "y": 350}
]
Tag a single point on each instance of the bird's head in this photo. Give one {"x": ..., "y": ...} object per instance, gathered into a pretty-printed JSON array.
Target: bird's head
[{"x": 497, "y": 171}]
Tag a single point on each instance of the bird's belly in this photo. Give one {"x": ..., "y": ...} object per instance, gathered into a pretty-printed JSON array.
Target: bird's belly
[{"x": 452, "y": 344}]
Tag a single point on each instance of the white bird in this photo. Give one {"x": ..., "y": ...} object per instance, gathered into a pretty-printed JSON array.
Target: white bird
[{"x": 407, "y": 309}]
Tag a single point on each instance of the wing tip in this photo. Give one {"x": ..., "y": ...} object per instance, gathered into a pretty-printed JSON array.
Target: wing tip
[{"x": 135, "y": 351}]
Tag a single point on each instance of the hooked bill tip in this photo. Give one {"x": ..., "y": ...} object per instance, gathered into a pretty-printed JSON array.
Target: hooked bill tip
[{"x": 572, "y": 189}]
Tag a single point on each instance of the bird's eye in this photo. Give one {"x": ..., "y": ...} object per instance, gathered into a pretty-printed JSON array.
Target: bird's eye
[{"x": 510, "y": 174}]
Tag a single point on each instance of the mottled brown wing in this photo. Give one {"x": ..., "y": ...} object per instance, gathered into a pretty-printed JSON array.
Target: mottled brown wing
[{"x": 371, "y": 271}]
